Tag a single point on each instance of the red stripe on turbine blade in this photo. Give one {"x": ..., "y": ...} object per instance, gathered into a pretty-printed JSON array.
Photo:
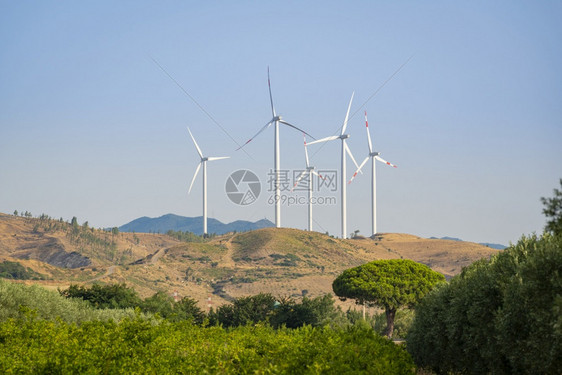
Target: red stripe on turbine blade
[{"x": 248, "y": 141}]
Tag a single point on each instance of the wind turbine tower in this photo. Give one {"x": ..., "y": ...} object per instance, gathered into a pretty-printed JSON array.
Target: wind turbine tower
[
  {"x": 344, "y": 149},
  {"x": 203, "y": 162},
  {"x": 373, "y": 155},
  {"x": 276, "y": 119},
  {"x": 308, "y": 171}
]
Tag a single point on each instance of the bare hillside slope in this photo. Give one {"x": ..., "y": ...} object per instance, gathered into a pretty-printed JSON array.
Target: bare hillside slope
[{"x": 281, "y": 261}]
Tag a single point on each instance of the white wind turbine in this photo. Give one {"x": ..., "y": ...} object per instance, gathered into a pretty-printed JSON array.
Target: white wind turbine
[
  {"x": 344, "y": 149},
  {"x": 310, "y": 171},
  {"x": 372, "y": 155},
  {"x": 203, "y": 162},
  {"x": 276, "y": 119}
]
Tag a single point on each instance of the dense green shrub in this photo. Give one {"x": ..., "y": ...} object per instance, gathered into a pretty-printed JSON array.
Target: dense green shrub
[
  {"x": 112, "y": 296},
  {"x": 187, "y": 309},
  {"x": 159, "y": 303},
  {"x": 16, "y": 299},
  {"x": 166, "y": 307},
  {"x": 119, "y": 296},
  {"x": 244, "y": 310},
  {"x": 499, "y": 316},
  {"x": 316, "y": 312},
  {"x": 280, "y": 312},
  {"x": 138, "y": 346},
  {"x": 14, "y": 270}
]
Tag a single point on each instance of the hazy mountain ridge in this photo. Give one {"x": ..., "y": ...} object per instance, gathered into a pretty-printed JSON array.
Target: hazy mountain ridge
[
  {"x": 168, "y": 222},
  {"x": 496, "y": 246}
]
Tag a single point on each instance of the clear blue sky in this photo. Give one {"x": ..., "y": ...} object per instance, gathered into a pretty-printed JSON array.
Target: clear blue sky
[{"x": 91, "y": 127}]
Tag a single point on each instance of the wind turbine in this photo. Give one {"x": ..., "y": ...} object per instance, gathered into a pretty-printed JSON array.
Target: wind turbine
[
  {"x": 372, "y": 155},
  {"x": 203, "y": 162},
  {"x": 344, "y": 149},
  {"x": 276, "y": 119},
  {"x": 310, "y": 171}
]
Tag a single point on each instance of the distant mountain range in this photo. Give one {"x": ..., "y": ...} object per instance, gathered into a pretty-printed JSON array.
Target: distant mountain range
[
  {"x": 496, "y": 246},
  {"x": 168, "y": 222}
]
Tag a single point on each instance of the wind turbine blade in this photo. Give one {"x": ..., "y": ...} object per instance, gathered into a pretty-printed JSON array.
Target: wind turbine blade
[
  {"x": 270, "y": 96},
  {"x": 331, "y": 138},
  {"x": 258, "y": 133},
  {"x": 306, "y": 152},
  {"x": 211, "y": 158},
  {"x": 294, "y": 127},
  {"x": 347, "y": 114},
  {"x": 318, "y": 174},
  {"x": 298, "y": 179},
  {"x": 195, "y": 143},
  {"x": 358, "y": 169},
  {"x": 351, "y": 156},
  {"x": 368, "y": 134},
  {"x": 194, "y": 177},
  {"x": 385, "y": 162}
]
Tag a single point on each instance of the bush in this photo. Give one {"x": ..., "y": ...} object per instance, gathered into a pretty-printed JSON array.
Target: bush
[
  {"x": 315, "y": 312},
  {"x": 113, "y": 296},
  {"x": 138, "y": 346},
  {"x": 497, "y": 316},
  {"x": 16, "y": 300},
  {"x": 14, "y": 270},
  {"x": 245, "y": 310}
]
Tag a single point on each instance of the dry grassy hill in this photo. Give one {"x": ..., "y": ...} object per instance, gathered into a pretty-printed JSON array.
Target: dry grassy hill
[{"x": 281, "y": 261}]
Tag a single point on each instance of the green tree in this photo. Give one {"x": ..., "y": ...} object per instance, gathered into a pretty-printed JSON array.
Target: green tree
[
  {"x": 553, "y": 211},
  {"x": 160, "y": 303},
  {"x": 314, "y": 312},
  {"x": 245, "y": 310},
  {"x": 389, "y": 284},
  {"x": 187, "y": 309},
  {"x": 15, "y": 212},
  {"x": 114, "y": 296},
  {"x": 499, "y": 316}
]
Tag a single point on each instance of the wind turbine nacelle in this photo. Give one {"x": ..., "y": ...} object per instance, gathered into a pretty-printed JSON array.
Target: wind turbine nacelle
[
  {"x": 277, "y": 118},
  {"x": 344, "y": 136},
  {"x": 204, "y": 159},
  {"x": 374, "y": 153}
]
